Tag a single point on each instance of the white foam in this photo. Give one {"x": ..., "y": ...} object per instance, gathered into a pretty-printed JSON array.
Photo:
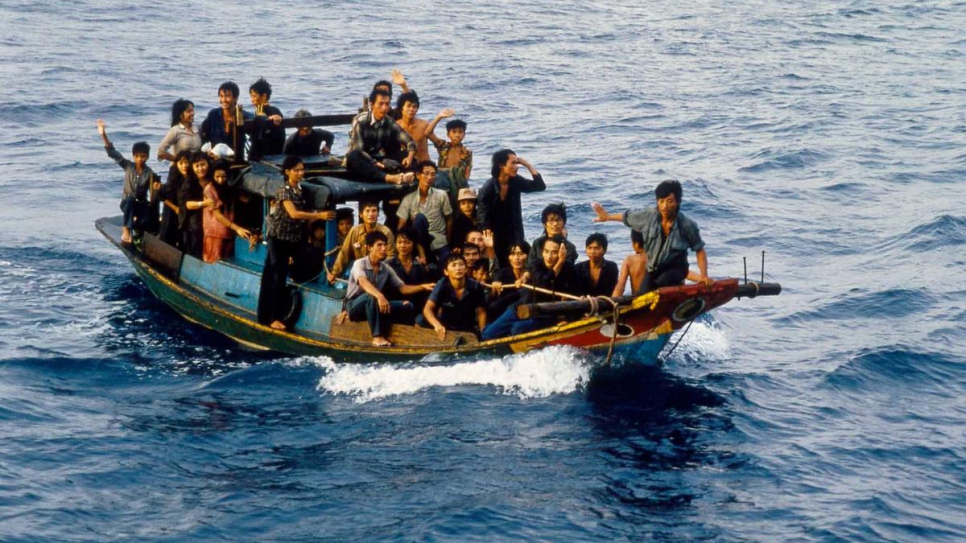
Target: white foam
[
  {"x": 537, "y": 374},
  {"x": 705, "y": 341}
]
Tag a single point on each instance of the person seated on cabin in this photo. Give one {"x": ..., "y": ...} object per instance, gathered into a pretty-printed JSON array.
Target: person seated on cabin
[
  {"x": 464, "y": 222},
  {"x": 375, "y": 144},
  {"x": 308, "y": 141},
  {"x": 457, "y": 302},
  {"x": 220, "y": 126},
  {"x": 169, "y": 231},
  {"x": 502, "y": 294},
  {"x": 267, "y": 134},
  {"x": 596, "y": 276},
  {"x": 455, "y": 159},
  {"x": 218, "y": 216},
  {"x": 499, "y": 204},
  {"x": 354, "y": 246},
  {"x": 141, "y": 185},
  {"x": 182, "y": 135},
  {"x": 553, "y": 273},
  {"x": 191, "y": 202},
  {"x": 310, "y": 263},
  {"x": 429, "y": 212},
  {"x": 408, "y": 267},
  {"x": 364, "y": 298},
  {"x": 285, "y": 235},
  {"x": 554, "y": 219},
  {"x": 667, "y": 235},
  {"x": 408, "y": 106},
  {"x": 385, "y": 85},
  {"x": 345, "y": 220},
  {"x": 633, "y": 267}
]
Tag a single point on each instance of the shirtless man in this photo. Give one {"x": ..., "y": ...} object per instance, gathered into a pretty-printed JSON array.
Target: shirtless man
[{"x": 408, "y": 106}]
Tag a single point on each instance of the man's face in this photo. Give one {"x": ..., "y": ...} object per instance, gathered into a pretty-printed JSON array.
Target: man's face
[
  {"x": 468, "y": 208},
  {"x": 595, "y": 252},
  {"x": 305, "y": 131},
  {"x": 510, "y": 168},
  {"x": 476, "y": 238},
  {"x": 409, "y": 110},
  {"x": 200, "y": 168},
  {"x": 554, "y": 224},
  {"x": 226, "y": 99},
  {"x": 456, "y": 269},
  {"x": 518, "y": 259},
  {"x": 344, "y": 226},
  {"x": 378, "y": 250},
  {"x": 140, "y": 159},
  {"x": 404, "y": 246},
  {"x": 551, "y": 253},
  {"x": 370, "y": 214},
  {"x": 456, "y": 135},
  {"x": 380, "y": 107},
  {"x": 471, "y": 255},
  {"x": 427, "y": 177},
  {"x": 668, "y": 207},
  {"x": 258, "y": 99}
]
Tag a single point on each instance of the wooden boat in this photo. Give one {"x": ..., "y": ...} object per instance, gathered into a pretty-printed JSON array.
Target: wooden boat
[{"x": 224, "y": 296}]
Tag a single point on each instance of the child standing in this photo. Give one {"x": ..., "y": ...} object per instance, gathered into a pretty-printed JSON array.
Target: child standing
[
  {"x": 218, "y": 217},
  {"x": 140, "y": 182}
]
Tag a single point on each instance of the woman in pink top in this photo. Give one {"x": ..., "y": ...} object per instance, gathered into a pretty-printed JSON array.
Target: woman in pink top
[{"x": 219, "y": 228}]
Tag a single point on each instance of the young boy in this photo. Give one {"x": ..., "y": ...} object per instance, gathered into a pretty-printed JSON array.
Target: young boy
[
  {"x": 141, "y": 184},
  {"x": 633, "y": 267},
  {"x": 454, "y": 157},
  {"x": 596, "y": 276},
  {"x": 456, "y": 303},
  {"x": 345, "y": 220}
]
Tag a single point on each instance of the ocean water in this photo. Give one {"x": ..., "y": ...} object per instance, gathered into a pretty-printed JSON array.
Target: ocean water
[{"x": 828, "y": 134}]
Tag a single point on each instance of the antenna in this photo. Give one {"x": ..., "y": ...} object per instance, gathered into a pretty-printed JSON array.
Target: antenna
[
  {"x": 763, "y": 266},
  {"x": 745, "y": 260}
]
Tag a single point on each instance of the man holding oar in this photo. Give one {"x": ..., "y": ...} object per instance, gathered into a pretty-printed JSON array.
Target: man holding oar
[{"x": 668, "y": 235}]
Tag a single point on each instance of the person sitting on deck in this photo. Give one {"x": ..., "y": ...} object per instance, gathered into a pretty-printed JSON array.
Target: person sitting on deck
[
  {"x": 464, "y": 221},
  {"x": 430, "y": 214},
  {"x": 499, "y": 206},
  {"x": 552, "y": 273},
  {"x": 513, "y": 275},
  {"x": 308, "y": 141},
  {"x": 182, "y": 135},
  {"x": 220, "y": 126},
  {"x": 408, "y": 267},
  {"x": 364, "y": 298},
  {"x": 456, "y": 303},
  {"x": 140, "y": 185},
  {"x": 667, "y": 235},
  {"x": 218, "y": 216},
  {"x": 345, "y": 220},
  {"x": 455, "y": 159},
  {"x": 633, "y": 268},
  {"x": 554, "y": 219},
  {"x": 375, "y": 144},
  {"x": 267, "y": 134},
  {"x": 596, "y": 276},
  {"x": 354, "y": 246}
]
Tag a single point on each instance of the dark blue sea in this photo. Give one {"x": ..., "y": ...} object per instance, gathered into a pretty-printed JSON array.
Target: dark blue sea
[{"x": 830, "y": 135}]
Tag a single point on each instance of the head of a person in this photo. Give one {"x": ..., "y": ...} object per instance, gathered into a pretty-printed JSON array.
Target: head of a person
[
  {"x": 377, "y": 245},
  {"x": 369, "y": 212},
  {"x": 668, "y": 196},
  {"x": 551, "y": 250},
  {"x": 407, "y": 104},
  {"x": 260, "y": 92},
  {"x": 228, "y": 95},
  {"x": 182, "y": 112},
  {"x": 379, "y": 103},
  {"x": 519, "y": 251},
  {"x": 554, "y": 218},
  {"x": 405, "y": 241},
  {"x": 383, "y": 85},
  {"x": 200, "y": 165},
  {"x": 219, "y": 172},
  {"x": 454, "y": 266},
  {"x": 140, "y": 152},
  {"x": 476, "y": 238},
  {"x": 182, "y": 161},
  {"x": 596, "y": 246},
  {"x": 293, "y": 168},
  {"x": 345, "y": 219},
  {"x": 471, "y": 253},
  {"x": 456, "y": 131},
  {"x": 504, "y": 161},
  {"x": 637, "y": 241},
  {"x": 303, "y": 130},
  {"x": 317, "y": 232},
  {"x": 467, "y": 202},
  {"x": 479, "y": 270},
  {"x": 426, "y": 174}
]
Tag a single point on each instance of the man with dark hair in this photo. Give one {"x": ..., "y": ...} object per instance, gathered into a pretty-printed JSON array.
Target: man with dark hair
[
  {"x": 668, "y": 234},
  {"x": 429, "y": 212},
  {"x": 308, "y": 141},
  {"x": 219, "y": 126},
  {"x": 364, "y": 299},
  {"x": 267, "y": 136},
  {"x": 376, "y": 143},
  {"x": 498, "y": 203},
  {"x": 596, "y": 276},
  {"x": 554, "y": 219},
  {"x": 354, "y": 246}
]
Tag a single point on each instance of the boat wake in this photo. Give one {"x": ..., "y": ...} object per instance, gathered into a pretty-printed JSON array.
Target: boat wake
[{"x": 536, "y": 374}]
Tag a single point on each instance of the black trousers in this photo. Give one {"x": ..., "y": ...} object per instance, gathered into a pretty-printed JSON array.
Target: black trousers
[
  {"x": 665, "y": 277},
  {"x": 273, "y": 299}
]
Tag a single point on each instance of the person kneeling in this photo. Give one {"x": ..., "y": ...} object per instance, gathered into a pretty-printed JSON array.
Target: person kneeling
[
  {"x": 456, "y": 303},
  {"x": 364, "y": 298}
]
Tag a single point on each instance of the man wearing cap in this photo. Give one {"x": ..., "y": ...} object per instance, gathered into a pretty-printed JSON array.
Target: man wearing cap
[{"x": 465, "y": 221}]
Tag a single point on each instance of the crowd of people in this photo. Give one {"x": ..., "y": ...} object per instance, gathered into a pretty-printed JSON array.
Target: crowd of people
[{"x": 450, "y": 260}]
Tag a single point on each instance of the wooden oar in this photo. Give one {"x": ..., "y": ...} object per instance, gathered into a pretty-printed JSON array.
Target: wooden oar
[{"x": 536, "y": 289}]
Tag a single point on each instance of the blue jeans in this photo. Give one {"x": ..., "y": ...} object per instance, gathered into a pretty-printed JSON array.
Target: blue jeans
[
  {"x": 136, "y": 213},
  {"x": 365, "y": 307}
]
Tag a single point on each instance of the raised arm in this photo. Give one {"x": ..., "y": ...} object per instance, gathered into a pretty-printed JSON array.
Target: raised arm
[
  {"x": 431, "y": 127},
  {"x": 537, "y": 184},
  {"x": 399, "y": 79},
  {"x": 604, "y": 216}
]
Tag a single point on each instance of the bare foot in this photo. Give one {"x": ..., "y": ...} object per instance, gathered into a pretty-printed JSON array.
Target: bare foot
[
  {"x": 341, "y": 317},
  {"x": 125, "y": 235},
  {"x": 278, "y": 325},
  {"x": 379, "y": 341}
]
